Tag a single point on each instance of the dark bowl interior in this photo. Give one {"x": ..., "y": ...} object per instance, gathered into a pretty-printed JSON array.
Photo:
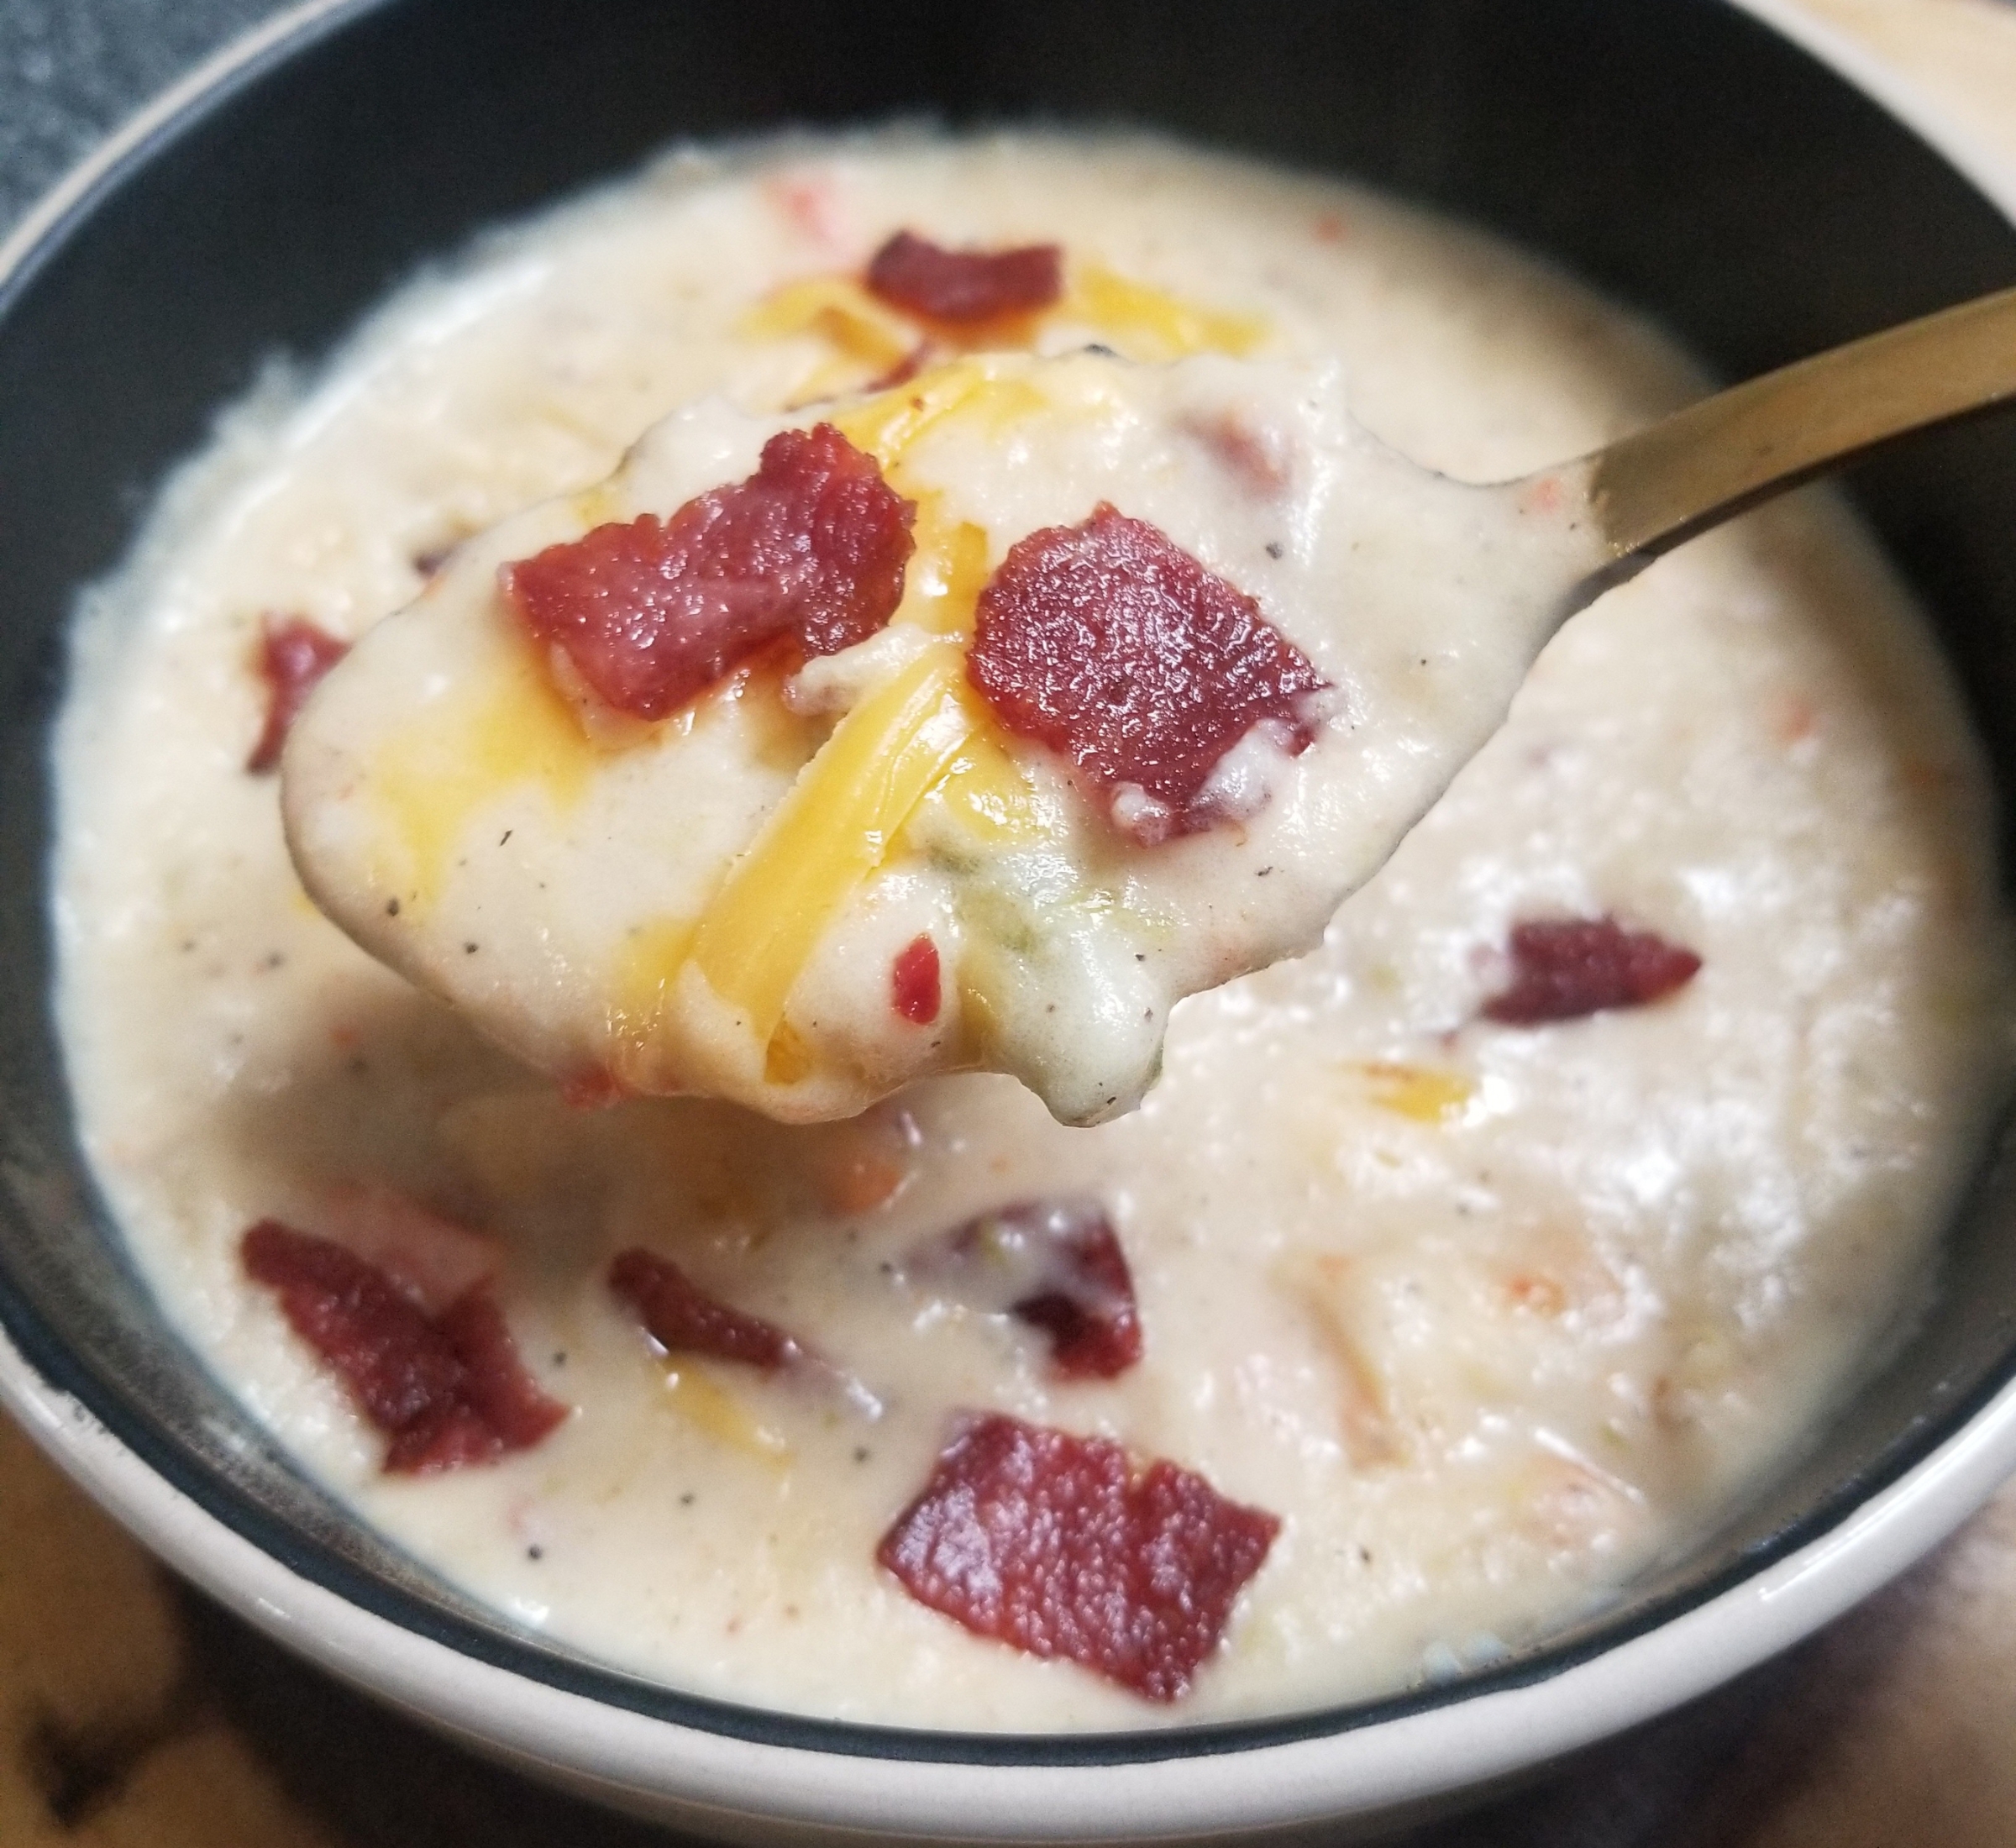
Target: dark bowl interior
[{"x": 1678, "y": 156}]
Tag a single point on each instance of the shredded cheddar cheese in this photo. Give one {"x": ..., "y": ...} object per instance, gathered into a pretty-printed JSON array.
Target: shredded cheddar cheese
[
  {"x": 886, "y": 425},
  {"x": 512, "y": 729},
  {"x": 1138, "y": 319},
  {"x": 711, "y": 1407},
  {"x": 862, "y": 331},
  {"x": 1424, "y": 1093},
  {"x": 946, "y": 572},
  {"x": 831, "y": 832},
  {"x": 1148, "y": 324}
]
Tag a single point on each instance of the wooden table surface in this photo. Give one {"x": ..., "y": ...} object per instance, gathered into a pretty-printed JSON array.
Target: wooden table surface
[{"x": 134, "y": 1713}]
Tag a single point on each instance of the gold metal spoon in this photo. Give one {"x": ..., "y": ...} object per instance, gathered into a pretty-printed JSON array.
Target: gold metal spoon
[{"x": 1660, "y": 486}]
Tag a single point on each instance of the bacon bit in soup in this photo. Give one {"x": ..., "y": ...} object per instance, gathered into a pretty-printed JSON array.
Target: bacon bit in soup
[
  {"x": 447, "y": 1389},
  {"x": 811, "y": 548},
  {"x": 1108, "y": 643},
  {"x": 912, "y": 273},
  {"x": 294, "y": 654},
  {"x": 683, "y": 1319},
  {"x": 913, "y": 986},
  {"x": 1054, "y": 1265},
  {"x": 1055, "y": 1545},
  {"x": 1563, "y": 968},
  {"x": 1085, "y": 1302},
  {"x": 435, "y": 1260}
]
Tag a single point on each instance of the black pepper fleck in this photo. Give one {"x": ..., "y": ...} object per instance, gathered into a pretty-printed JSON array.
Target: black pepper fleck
[
  {"x": 861, "y": 1453},
  {"x": 505, "y": 836},
  {"x": 1275, "y": 548},
  {"x": 535, "y": 1552},
  {"x": 392, "y": 907},
  {"x": 686, "y": 1500},
  {"x": 469, "y": 949}
]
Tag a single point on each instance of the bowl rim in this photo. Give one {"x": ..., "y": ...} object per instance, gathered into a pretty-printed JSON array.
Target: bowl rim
[
  {"x": 1158, "y": 1782},
  {"x": 699, "y": 1775}
]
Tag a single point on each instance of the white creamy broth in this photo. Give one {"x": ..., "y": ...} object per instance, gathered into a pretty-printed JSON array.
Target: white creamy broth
[{"x": 1490, "y": 1316}]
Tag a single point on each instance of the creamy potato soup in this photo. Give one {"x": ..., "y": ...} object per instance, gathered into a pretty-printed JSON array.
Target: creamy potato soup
[{"x": 1448, "y": 1275}]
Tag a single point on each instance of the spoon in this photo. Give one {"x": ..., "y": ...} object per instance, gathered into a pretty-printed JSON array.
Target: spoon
[
  {"x": 1660, "y": 486},
  {"x": 715, "y": 902}
]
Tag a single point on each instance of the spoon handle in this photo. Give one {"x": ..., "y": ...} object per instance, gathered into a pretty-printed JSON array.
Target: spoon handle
[{"x": 1651, "y": 490}]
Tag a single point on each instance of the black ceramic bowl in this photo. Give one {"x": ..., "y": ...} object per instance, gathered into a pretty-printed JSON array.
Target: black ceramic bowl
[{"x": 1681, "y": 156}]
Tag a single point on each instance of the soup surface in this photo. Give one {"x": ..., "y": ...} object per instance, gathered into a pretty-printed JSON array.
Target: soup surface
[{"x": 1489, "y": 1291}]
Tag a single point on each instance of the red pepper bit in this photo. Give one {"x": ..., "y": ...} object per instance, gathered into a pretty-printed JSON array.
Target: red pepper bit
[
  {"x": 447, "y": 1390},
  {"x": 1563, "y": 968},
  {"x": 293, "y": 655},
  {"x": 684, "y": 1319},
  {"x": 913, "y": 273},
  {"x": 914, "y": 983},
  {"x": 1052, "y": 1544}
]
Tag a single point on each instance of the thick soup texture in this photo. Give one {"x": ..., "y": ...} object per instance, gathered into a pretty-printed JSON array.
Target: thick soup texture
[{"x": 1449, "y": 1275}]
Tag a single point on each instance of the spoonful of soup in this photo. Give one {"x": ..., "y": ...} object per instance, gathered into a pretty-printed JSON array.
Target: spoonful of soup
[{"x": 972, "y": 722}]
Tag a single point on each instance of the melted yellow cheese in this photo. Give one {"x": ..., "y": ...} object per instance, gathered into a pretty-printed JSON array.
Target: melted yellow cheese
[
  {"x": 1149, "y": 324},
  {"x": 1136, "y": 319},
  {"x": 864, "y": 334},
  {"x": 888, "y": 424},
  {"x": 1424, "y": 1093},
  {"x": 985, "y": 794},
  {"x": 831, "y": 832},
  {"x": 946, "y": 574},
  {"x": 711, "y": 1407},
  {"x": 512, "y": 729}
]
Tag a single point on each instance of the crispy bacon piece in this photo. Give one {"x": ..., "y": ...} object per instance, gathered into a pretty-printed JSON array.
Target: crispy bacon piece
[
  {"x": 1108, "y": 643},
  {"x": 683, "y": 1319},
  {"x": 1053, "y": 1544},
  {"x": 913, "y": 982},
  {"x": 913, "y": 273},
  {"x": 811, "y": 548},
  {"x": 1056, "y": 1265},
  {"x": 1565, "y": 968},
  {"x": 293, "y": 655},
  {"x": 447, "y": 1389}
]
